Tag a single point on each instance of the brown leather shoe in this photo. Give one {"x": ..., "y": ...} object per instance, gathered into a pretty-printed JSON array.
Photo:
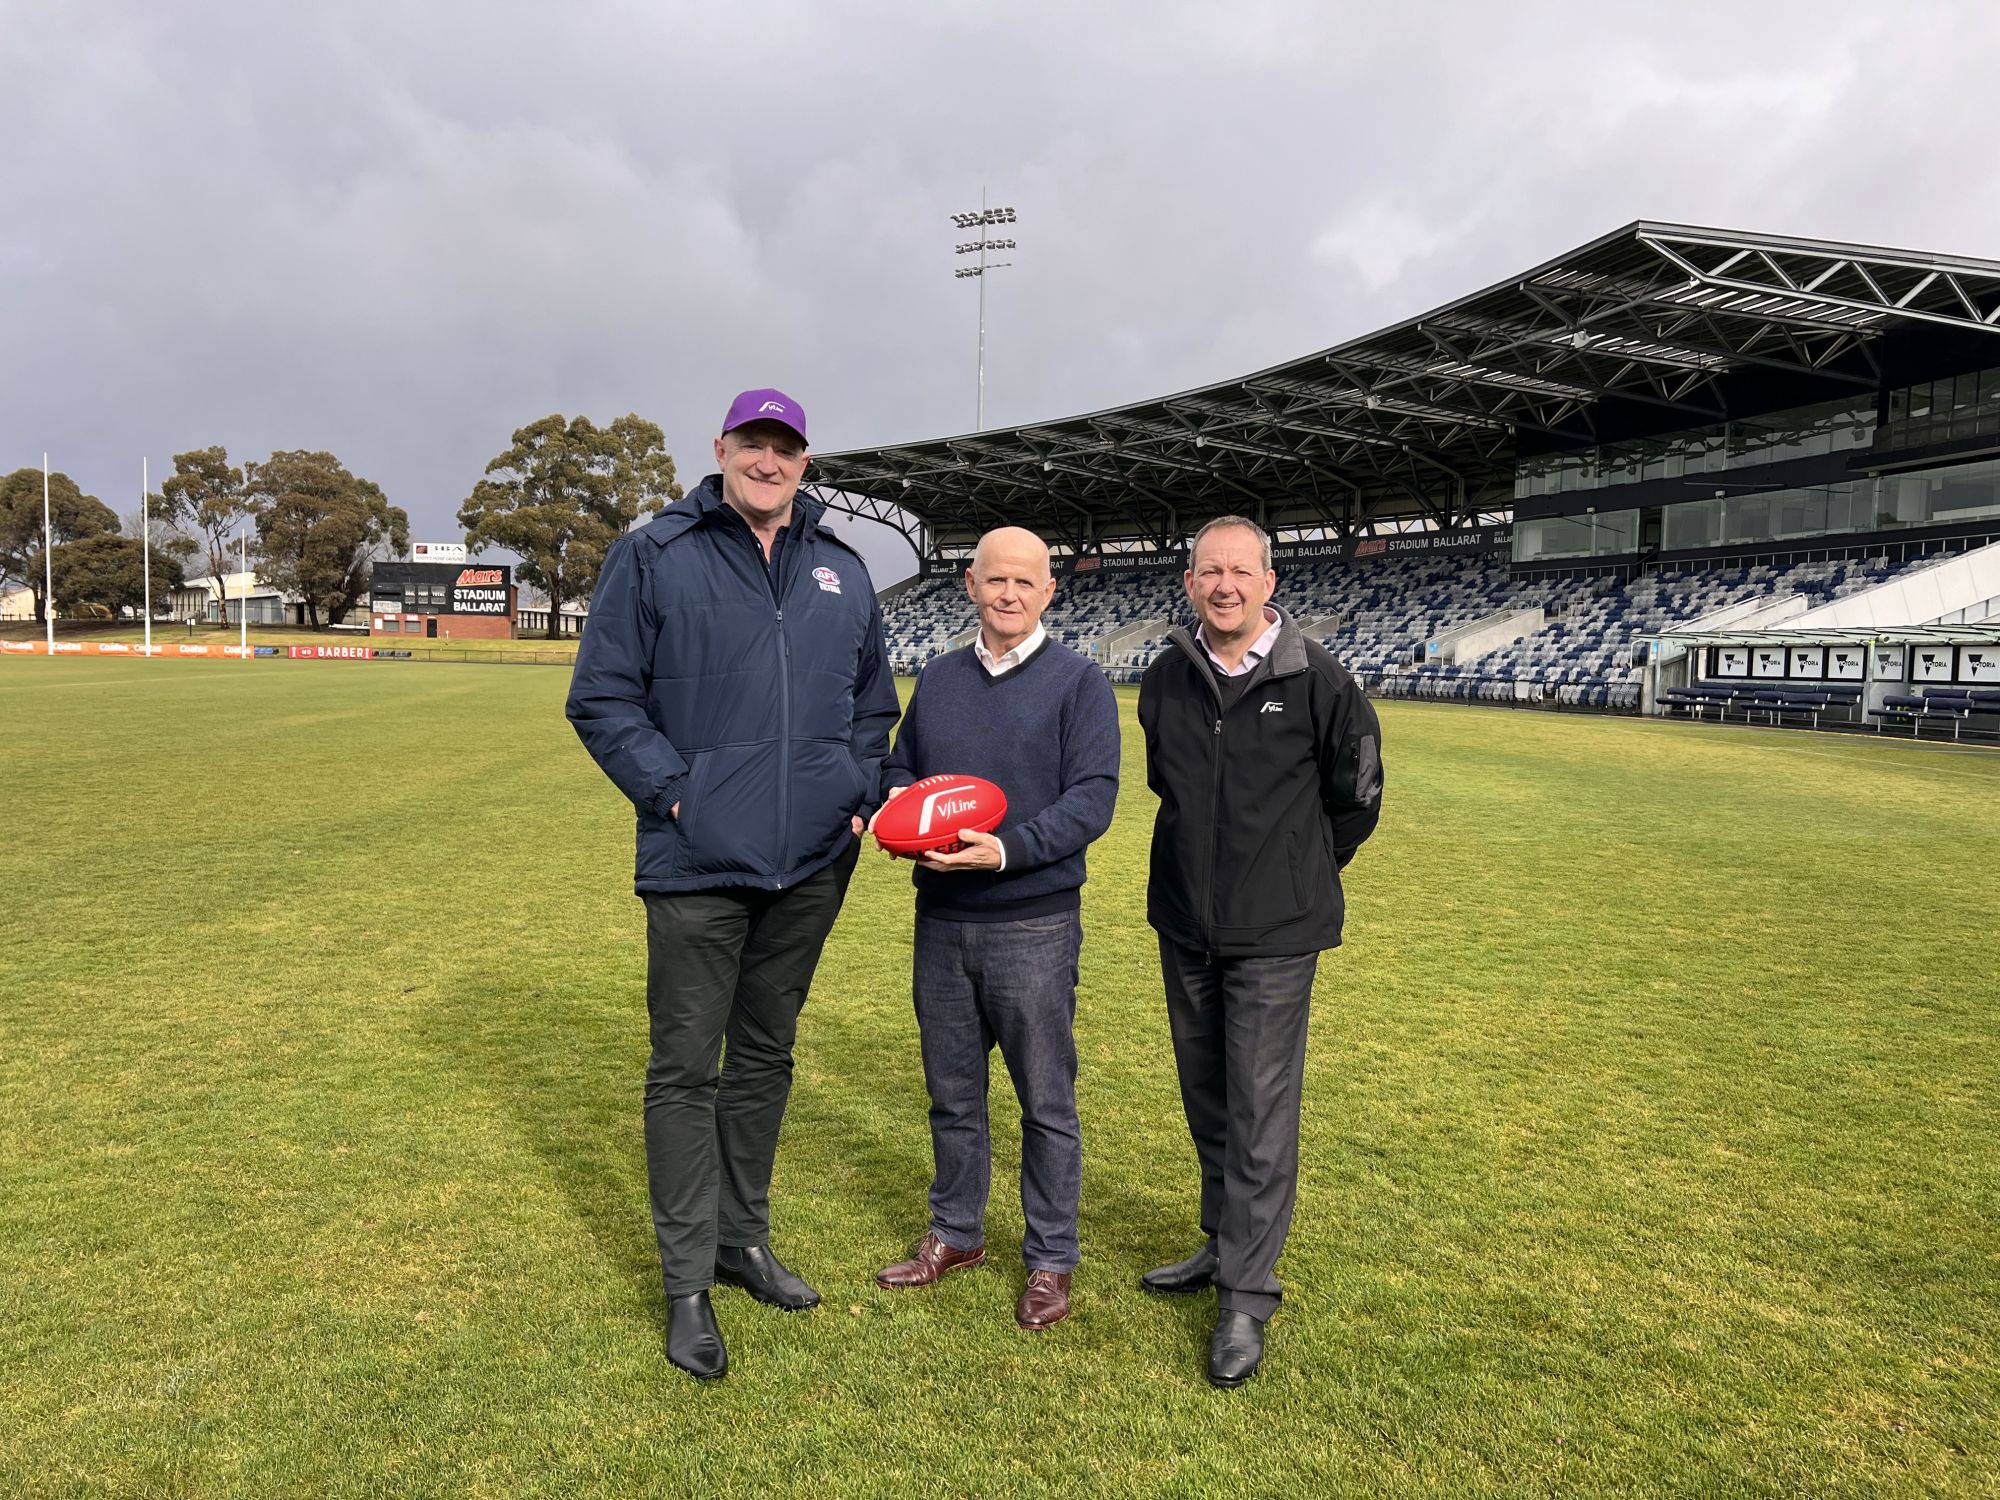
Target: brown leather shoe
[
  {"x": 1044, "y": 1300},
  {"x": 933, "y": 1258}
]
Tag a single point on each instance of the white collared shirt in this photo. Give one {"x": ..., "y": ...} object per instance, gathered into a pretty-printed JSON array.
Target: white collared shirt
[
  {"x": 1008, "y": 660},
  {"x": 1259, "y": 649}
]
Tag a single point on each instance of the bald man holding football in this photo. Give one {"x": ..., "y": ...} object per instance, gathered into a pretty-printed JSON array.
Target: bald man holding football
[{"x": 999, "y": 925}]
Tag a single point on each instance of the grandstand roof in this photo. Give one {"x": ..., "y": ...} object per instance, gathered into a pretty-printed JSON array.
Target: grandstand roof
[{"x": 1422, "y": 419}]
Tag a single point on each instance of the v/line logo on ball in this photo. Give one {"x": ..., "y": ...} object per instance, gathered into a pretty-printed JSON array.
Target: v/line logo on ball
[{"x": 943, "y": 804}]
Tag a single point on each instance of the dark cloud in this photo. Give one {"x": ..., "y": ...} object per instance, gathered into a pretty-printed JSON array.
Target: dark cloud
[{"x": 398, "y": 231}]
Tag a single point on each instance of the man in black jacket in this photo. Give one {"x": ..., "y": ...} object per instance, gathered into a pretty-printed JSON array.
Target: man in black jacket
[
  {"x": 1266, "y": 758},
  {"x": 732, "y": 683}
]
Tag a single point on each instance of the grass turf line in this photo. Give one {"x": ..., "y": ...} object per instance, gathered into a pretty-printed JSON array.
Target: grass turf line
[{"x": 1650, "y": 1142}]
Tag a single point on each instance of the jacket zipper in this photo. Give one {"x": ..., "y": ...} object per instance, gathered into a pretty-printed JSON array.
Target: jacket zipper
[
  {"x": 1214, "y": 797},
  {"x": 785, "y": 738},
  {"x": 1214, "y": 808},
  {"x": 784, "y": 697},
  {"x": 1214, "y": 837}
]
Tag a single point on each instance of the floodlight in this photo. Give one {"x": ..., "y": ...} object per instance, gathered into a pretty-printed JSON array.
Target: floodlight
[{"x": 981, "y": 220}]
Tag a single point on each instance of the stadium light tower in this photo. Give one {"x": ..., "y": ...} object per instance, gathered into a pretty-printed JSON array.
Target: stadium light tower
[{"x": 982, "y": 221}]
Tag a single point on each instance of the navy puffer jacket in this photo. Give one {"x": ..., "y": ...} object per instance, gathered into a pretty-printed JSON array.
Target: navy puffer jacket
[{"x": 764, "y": 712}]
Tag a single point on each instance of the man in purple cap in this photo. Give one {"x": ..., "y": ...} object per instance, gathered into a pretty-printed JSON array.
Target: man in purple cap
[{"x": 732, "y": 682}]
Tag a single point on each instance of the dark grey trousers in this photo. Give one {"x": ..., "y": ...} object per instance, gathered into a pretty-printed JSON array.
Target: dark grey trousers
[
  {"x": 1013, "y": 983},
  {"x": 1239, "y": 1027},
  {"x": 724, "y": 967}
]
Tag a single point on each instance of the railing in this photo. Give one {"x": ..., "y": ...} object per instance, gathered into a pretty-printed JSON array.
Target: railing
[
  {"x": 451, "y": 653},
  {"x": 1602, "y": 697},
  {"x": 1942, "y": 427}
]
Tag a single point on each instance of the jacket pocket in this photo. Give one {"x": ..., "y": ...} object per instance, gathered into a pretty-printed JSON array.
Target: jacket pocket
[
  {"x": 729, "y": 817},
  {"x": 693, "y": 794},
  {"x": 863, "y": 791},
  {"x": 1258, "y": 880},
  {"x": 826, "y": 791},
  {"x": 660, "y": 846}
]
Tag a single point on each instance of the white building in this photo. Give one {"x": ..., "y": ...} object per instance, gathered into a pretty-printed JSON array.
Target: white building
[
  {"x": 532, "y": 617},
  {"x": 200, "y": 599}
]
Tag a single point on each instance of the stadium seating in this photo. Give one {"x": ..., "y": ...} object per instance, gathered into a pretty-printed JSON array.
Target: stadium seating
[
  {"x": 1378, "y": 617},
  {"x": 919, "y": 622},
  {"x": 1093, "y": 605}
]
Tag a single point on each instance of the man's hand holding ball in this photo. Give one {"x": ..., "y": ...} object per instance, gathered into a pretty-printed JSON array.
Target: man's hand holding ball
[
  {"x": 975, "y": 851},
  {"x": 948, "y": 825}
]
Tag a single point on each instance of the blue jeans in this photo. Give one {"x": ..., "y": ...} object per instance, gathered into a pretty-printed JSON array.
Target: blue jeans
[{"x": 1012, "y": 983}]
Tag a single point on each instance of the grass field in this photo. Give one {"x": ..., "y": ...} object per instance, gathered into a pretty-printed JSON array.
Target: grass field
[{"x": 1652, "y": 1141}]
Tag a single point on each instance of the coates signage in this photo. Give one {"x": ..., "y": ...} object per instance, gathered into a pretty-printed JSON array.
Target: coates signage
[
  {"x": 1474, "y": 539},
  {"x": 437, "y": 552},
  {"x": 480, "y": 591}
]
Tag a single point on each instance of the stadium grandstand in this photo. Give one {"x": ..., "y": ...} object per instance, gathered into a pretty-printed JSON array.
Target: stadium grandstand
[{"x": 1675, "y": 470}]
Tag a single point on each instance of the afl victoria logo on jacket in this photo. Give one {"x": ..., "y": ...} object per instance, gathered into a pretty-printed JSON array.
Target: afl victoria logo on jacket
[{"x": 1264, "y": 794}]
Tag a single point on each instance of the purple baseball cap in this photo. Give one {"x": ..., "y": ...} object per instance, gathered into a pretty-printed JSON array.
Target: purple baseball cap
[{"x": 766, "y": 406}]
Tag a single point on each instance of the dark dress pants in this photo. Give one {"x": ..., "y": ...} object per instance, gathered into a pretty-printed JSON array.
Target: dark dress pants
[
  {"x": 726, "y": 977},
  {"x": 1239, "y": 1028},
  {"x": 976, "y": 984}
]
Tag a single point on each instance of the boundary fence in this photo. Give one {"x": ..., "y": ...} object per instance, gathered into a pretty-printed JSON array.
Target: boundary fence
[{"x": 180, "y": 651}]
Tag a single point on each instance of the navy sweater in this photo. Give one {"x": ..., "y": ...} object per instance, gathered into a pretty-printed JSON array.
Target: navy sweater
[{"x": 1046, "y": 733}]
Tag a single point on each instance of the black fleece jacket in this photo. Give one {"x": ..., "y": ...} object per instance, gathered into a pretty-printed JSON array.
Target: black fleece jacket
[{"x": 1262, "y": 801}]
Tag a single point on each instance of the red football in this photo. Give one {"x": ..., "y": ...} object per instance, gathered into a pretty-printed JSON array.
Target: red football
[{"x": 929, "y": 813}]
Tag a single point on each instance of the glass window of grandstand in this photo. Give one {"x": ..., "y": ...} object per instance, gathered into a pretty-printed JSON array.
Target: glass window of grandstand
[
  {"x": 1828, "y": 427},
  {"x": 1942, "y": 497},
  {"x": 1557, "y": 474},
  {"x": 1894, "y": 502},
  {"x": 1941, "y": 411},
  {"x": 1554, "y": 538}
]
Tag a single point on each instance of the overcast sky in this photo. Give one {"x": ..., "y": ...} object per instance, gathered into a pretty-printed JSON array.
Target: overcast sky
[{"x": 400, "y": 230}]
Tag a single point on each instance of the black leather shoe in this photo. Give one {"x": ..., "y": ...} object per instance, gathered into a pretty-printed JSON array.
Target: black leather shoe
[
  {"x": 1189, "y": 1275},
  {"x": 693, "y": 1341},
  {"x": 1235, "y": 1349},
  {"x": 763, "y": 1276}
]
